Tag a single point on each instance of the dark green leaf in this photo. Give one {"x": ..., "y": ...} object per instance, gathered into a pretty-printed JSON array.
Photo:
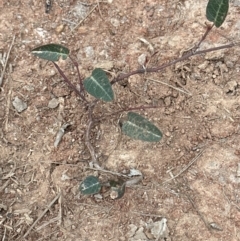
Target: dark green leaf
[
  {"x": 216, "y": 11},
  {"x": 99, "y": 86},
  {"x": 138, "y": 127},
  {"x": 51, "y": 52},
  {"x": 90, "y": 185}
]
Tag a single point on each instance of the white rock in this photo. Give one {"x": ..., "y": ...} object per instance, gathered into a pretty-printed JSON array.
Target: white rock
[
  {"x": 19, "y": 105},
  {"x": 53, "y": 103},
  {"x": 89, "y": 51}
]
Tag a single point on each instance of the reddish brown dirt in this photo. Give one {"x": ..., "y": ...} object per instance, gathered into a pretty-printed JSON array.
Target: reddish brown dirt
[{"x": 200, "y": 125}]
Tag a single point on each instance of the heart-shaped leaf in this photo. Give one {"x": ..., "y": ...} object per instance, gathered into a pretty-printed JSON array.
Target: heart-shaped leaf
[
  {"x": 216, "y": 11},
  {"x": 90, "y": 185},
  {"x": 99, "y": 86},
  {"x": 138, "y": 127},
  {"x": 51, "y": 52}
]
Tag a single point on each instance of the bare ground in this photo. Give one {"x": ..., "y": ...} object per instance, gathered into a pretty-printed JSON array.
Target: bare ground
[{"x": 39, "y": 196}]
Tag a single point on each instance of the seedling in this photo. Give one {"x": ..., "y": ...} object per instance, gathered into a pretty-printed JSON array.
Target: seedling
[{"x": 99, "y": 86}]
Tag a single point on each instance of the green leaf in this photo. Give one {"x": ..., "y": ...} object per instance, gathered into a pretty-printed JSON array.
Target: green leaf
[
  {"x": 138, "y": 127},
  {"x": 99, "y": 86},
  {"x": 90, "y": 185},
  {"x": 51, "y": 52},
  {"x": 216, "y": 11}
]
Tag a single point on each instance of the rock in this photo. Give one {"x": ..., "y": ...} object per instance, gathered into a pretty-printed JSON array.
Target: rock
[
  {"x": 53, "y": 103},
  {"x": 89, "y": 51},
  {"x": 108, "y": 65},
  {"x": 60, "y": 28},
  {"x": 19, "y": 105},
  {"x": 142, "y": 59}
]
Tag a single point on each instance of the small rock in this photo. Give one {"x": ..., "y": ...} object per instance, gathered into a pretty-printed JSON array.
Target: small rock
[
  {"x": 229, "y": 64},
  {"x": 203, "y": 65},
  {"x": 133, "y": 228},
  {"x": 167, "y": 101},
  {"x": 115, "y": 22},
  {"x": 19, "y": 105},
  {"x": 59, "y": 28},
  {"x": 89, "y": 51},
  {"x": 139, "y": 235},
  {"x": 214, "y": 55},
  {"x": 236, "y": 3},
  {"x": 53, "y": 103},
  {"x": 142, "y": 59},
  {"x": 231, "y": 87},
  {"x": 159, "y": 229},
  {"x": 108, "y": 65}
]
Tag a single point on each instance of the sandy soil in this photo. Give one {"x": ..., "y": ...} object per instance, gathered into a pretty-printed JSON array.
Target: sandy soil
[{"x": 39, "y": 184}]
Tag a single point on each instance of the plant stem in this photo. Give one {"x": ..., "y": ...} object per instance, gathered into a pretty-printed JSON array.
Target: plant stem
[
  {"x": 163, "y": 66},
  {"x": 82, "y": 93},
  {"x": 66, "y": 79}
]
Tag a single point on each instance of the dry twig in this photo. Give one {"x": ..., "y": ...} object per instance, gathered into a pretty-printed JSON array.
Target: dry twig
[
  {"x": 186, "y": 167},
  {"x": 42, "y": 214},
  {"x": 6, "y": 61},
  {"x": 79, "y": 23},
  {"x": 175, "y": 88}
]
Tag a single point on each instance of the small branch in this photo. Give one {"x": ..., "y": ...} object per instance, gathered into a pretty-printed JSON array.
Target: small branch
[
  {"x": 199, "y": 213},
  {"x": 5, "y": 64},
  {"x": 185, "y": 168},
  {"x": 42, "y": 214},
  {"x": 87, "y": 137},
  {"x": 110, "y": 172},
  {"x": 78, "y": 24},
  {"x": 173, "y": 87},
  {"x": 159, "y": 68}
]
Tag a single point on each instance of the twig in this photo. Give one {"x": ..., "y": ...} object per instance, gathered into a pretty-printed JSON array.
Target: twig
[
  {"x": 163, "y": 66},
  {"x": 7, "y": 109},
  {"x": 5, "y": 64},
  {"x": 110, "y": 172},
  {"x": 89, "y": 145},
  {"x": 84, "y": 18},
  {"x": 60, "y": 209},
  {"x": 100, "y": 12},
  {"x": 4, "y": 234},
  {"x": 53, "y": 220},
  {"x": 133, "y": 181},
  {"x": 175, "y": 88},
  {"x": 185, "y": 168},
  {"x": 60, "y": 134},
  {"x": 199, "y": 213},
  {"x": 147, "y": 215},
  {"x": 42, "y": 214}
]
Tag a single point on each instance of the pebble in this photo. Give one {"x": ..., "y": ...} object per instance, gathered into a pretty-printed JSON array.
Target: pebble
[
  {"x": 53, "y": 103},
  {"x": 89, "y": 51},
  {"x": 19, "y": 104},
  {"x": 60, "y": 28}
]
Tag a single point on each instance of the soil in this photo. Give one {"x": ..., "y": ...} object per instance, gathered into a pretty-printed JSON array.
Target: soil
[{"x": 198, "y": 113}]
